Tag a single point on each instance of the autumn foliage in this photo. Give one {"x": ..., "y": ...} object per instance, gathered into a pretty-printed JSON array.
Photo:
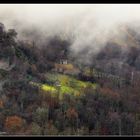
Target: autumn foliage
[
  {"x": 1, "y": 104},
  {"x": 13, "y": 123},
  {"x": 71, "y": 113},
  {"x": 109, "y": 92}
]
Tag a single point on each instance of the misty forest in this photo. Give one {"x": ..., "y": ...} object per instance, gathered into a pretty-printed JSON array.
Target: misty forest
[{"x": 51, "y": 87}]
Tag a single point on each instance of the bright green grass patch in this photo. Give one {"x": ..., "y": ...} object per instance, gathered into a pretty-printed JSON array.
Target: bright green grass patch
[
  {"x": 61, "y": 91},
  {"x": 69, "y": 81},
  {"x": 74, "y": 83},
  {"x": 67, "y": 90},
  {"x": 46, "y": 87},
  {"x": 68, "y": 85}
]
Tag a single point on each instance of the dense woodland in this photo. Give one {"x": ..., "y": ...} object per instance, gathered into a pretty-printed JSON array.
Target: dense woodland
[{"x": 36, "y": 99}]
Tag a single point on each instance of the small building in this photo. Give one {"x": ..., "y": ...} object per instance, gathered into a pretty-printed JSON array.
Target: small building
[
  {"x": 66, "y": 68},
  {"x": 61, "y": 66},
  {"x": 63, "y": 61}
]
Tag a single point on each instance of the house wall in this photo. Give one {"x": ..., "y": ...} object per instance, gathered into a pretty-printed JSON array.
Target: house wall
[{"x": 63, "y": 62}]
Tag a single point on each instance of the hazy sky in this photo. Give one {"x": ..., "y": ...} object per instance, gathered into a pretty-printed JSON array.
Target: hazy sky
[
  {"x": 88, "y": 23},
  {"x": 105, "y": 14}
]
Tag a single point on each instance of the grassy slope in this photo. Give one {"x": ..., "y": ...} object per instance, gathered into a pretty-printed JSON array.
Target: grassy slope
[{"x": 65, "y": 84}]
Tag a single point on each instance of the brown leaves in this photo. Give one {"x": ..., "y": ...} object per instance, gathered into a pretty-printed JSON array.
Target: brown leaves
[
  {"x": 71, "y": 113},
  {"x": 110, "y": 92},
  {"x": 1, "y": 104},
  {"x": 13, "y": 123}
]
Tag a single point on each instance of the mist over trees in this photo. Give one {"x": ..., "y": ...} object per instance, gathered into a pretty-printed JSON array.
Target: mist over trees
[{"x": 108, "y": 109}]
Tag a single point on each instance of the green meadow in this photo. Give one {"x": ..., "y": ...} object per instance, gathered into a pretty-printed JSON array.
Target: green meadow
[{"x": 64, "y": 84}]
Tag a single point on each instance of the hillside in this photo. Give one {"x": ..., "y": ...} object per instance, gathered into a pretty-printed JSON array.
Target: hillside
[{"x": 46, "y": 90}]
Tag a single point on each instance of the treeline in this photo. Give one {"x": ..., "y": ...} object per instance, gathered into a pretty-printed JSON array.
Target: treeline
[{"x": 100, "y": 112}]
